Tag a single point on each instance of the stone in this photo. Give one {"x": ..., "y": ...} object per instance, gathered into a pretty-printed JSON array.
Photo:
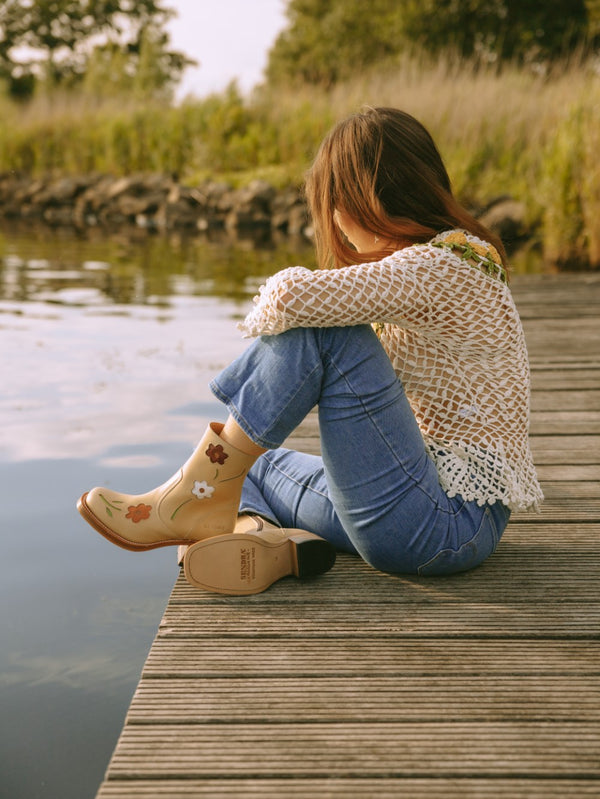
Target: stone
[
  {"x": 507, "y": 218},
  {"x": 155, "y": 202},
  {"x": 144, "y": 204},
  {"x": 59, "y": 216}
]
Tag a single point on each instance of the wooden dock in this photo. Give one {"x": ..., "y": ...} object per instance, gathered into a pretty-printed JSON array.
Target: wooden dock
[{"x": 359, "y": 684}]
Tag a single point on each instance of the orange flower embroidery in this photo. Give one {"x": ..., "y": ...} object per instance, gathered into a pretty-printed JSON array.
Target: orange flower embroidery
[
  {"x": 216, "y": 454},
  {"x": 494, "y": 254},
  {"x": 455, "y": 238},
  {"x": 138, "y": 513}
]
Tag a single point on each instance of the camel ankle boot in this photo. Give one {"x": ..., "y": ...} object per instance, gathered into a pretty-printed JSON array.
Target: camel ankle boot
[
  {"x": 199, "y": 501},
  {"x": 254, "y": 556}
]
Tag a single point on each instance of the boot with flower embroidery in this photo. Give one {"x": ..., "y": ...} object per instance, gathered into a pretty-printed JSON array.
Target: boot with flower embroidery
[
  {"x": 254, "y": 556},
  {"x": 199, "y": 501}
]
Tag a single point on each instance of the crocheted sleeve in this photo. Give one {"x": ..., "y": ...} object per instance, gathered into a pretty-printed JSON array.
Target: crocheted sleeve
[{"x": 384, "y": 291}]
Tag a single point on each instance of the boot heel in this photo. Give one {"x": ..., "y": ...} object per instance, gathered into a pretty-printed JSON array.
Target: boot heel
[
  {"x": 246, "y": 563},
  {"x": 311, "y": 556}
]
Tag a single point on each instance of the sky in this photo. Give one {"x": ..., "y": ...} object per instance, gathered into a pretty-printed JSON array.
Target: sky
[{"x": 230, "y": 39}]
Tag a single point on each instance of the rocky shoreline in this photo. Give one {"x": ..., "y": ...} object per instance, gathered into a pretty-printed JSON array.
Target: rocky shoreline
[{"x": 160, "y": 203}]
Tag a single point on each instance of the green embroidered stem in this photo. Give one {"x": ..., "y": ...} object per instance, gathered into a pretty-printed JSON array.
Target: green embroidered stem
[
  {"x": 227, "y": 479},
  {"x": 109, "y": 505},
  {"x": 179, "y": 508},
  {"x": 467, "y": 253}
]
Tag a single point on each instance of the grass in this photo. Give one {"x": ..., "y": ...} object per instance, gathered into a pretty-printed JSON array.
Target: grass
[{"x": 533, "y": 136}]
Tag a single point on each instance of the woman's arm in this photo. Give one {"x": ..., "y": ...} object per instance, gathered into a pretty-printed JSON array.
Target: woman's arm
[{"x": 383, "y": 291}]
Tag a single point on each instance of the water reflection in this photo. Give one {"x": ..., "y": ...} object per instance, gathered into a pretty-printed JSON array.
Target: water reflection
[
  {"x": 103, "y": 334},
  {"x": 135, "y": 268},
  {"x": 106, "y": 348}
]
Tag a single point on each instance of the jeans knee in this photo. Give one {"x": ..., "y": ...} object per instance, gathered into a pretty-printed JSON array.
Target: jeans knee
[{"x": 388, "y": 561}]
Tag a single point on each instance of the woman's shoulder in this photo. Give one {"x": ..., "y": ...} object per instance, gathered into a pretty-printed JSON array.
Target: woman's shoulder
[{"x": 459, "y": 247}]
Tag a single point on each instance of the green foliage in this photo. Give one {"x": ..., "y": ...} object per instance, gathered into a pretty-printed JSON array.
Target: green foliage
[
  {"x": 54, "y": 43},
  {"x": 326, "y": 41},
  {"x": 571, "y": 228},
  {"x": 150, "y": 73},
  {"x": 498, "y": 30}
]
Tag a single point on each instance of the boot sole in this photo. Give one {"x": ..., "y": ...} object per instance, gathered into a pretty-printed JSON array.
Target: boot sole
[
  {"x": 241, "y": 563},
  {"x": 115, "y": 538}
]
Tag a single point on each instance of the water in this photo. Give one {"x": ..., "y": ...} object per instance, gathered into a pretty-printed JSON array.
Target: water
[{"x": 106, "y": 348}]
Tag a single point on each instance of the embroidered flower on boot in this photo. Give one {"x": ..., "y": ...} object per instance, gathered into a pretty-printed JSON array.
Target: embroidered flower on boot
[
  {"x": 138, "y": 513},
  {"x": 202, "y": 490},
  {"x": 216, "y": 454}
]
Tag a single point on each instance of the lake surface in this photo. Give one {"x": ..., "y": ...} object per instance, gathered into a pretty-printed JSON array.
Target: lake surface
[{"x": 107, "y": 344}]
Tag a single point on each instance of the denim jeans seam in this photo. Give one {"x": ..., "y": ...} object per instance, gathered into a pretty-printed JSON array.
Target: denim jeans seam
[
  {"x": 494, "y": 528},
  {"x": 291, "y": 400},
  {"x": 368, "y": 413},
  {"x": 454, "y": 512},
  {"x": 448, "y": 512},
  {"x": 457, "y": 551},
  {"x": 297, "y": 482},
  {"x": 487, "y": 515}
]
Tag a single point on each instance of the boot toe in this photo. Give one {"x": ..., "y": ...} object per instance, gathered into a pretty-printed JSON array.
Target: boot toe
[{"x": 110, "y": 513}]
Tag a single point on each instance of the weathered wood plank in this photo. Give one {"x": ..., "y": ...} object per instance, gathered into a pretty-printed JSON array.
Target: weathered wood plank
[
  {"x": 400, "y": 658},
  {"x": 272, "y": 700},
  {"x": 571, "y": 490},
  {"x": 565, "y": 449},
  {"x": 574, "y": 445},
  {"x": 580, "y": 335},
  {"x": 426, "y": 620},
  {"x": 544, "y": 362},
  {"x": 573, "y": 399},
  {"x": 565, "y": 422},
  {"x": 559, "y": 457},
  {"x": 557, "y": 508},
  {"x": 408, "y": 749},
  {"x": 416, "y": 604},
  {"x": 414, "y": 599},
  {"x": 562, "y": 376},
  {"x": 352, "y": 788},
  {"x": 566, "y": 471}
]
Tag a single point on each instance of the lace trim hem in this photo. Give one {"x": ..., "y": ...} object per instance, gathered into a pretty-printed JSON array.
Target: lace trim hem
[{"x": 482, "y": 477}]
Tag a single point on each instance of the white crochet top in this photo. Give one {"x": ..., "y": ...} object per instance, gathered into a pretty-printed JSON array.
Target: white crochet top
[{"x": 449, "y": 325}]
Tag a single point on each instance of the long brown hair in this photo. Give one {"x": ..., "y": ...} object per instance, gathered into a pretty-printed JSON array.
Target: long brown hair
[{"x": 382, "y": 168}]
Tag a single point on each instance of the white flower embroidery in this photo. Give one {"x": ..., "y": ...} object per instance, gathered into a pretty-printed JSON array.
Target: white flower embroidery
[{"x": 202, "y": 490}]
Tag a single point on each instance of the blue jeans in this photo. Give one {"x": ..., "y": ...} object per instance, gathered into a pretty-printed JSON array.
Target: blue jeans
[{"x": 375, "y": 490}]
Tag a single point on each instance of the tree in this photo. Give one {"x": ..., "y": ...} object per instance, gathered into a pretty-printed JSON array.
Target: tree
[
  {"x": 146, "y": 70},
  {"x": 498, "y": 30},
  {"x": 329, "y": 40},
  {"x": 56, "y": 40}
]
